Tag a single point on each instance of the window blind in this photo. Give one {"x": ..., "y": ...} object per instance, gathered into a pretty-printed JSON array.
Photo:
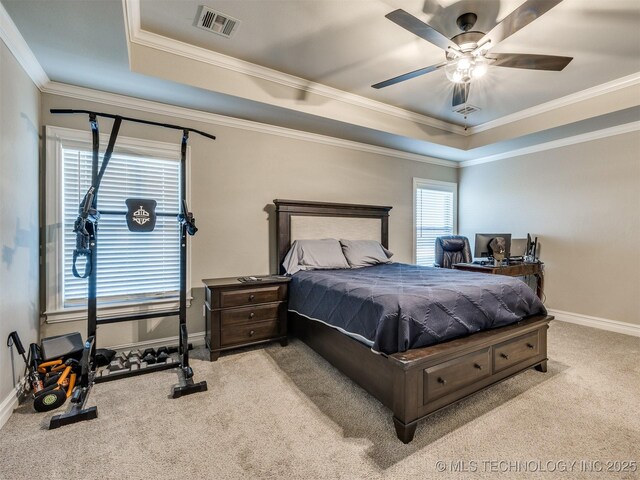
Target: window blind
[
  {"x": 434, "y": 218},
  {"x": 131, "y": 266}
]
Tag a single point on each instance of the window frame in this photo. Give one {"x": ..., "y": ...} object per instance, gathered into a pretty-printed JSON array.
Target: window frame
[
  {"x": 437, "y": 185},
  {"x": 54, "y": 310}
]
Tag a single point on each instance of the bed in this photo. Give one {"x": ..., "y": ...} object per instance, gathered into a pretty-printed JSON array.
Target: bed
[{"x": 410, "y": 379}]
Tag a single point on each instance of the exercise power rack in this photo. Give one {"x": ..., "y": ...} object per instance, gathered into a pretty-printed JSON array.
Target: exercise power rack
[{"x": 86, "y": 229}]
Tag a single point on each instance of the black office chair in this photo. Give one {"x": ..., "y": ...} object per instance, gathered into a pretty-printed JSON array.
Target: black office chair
[{"x": 452, "y": 249}]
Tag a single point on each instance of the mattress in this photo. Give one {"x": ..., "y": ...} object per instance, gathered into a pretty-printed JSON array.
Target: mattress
[{"x": 396, "y": 307}]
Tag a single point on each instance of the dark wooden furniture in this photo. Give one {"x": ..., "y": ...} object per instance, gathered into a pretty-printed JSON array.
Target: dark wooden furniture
[
  {"x": 240, "y": 314},
  {"x": 513, "y": 270},
  {"x": 415, "y": 383}
]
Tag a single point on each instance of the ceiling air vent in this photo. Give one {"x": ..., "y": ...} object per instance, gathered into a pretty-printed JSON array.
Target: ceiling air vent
[
  {"x": 466, "y": 110},
  {"x": 217, "y": 22}
]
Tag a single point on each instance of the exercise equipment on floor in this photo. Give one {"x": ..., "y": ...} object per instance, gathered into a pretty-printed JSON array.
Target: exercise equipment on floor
[
  {"x": 52, "y": 370},
  {"x": 140, "y": 216}
]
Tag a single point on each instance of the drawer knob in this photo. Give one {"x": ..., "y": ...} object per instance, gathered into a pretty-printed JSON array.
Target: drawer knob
[
  {"x": 251, "y": 297},
  {"x": 251, "y": 315},
  {"x": 251, "y": 333},
  {"x": 478, "y": 366},
  {"x": 505, "y": 356},
  {"x": 530, "y": 345},
  {"x": 441, "y": 380}
]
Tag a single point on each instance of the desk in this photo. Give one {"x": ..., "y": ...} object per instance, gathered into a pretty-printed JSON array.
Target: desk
[{"x": 514, "y": 270}]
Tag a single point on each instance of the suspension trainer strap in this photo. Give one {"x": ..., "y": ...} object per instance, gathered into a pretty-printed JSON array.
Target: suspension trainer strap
[
  {"x": 109, "y": 151},
  {"x": 86, "y": 225}
]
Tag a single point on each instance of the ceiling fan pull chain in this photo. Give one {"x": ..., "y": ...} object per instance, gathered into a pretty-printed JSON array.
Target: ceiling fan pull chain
[{"x": 466, "y": 94}]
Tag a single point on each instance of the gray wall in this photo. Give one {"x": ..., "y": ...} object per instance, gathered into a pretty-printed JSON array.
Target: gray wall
[
  {"x": 19, "y": 142},
  {"x": 233, "y": 183},
  {"x": 583, "y": 202}
]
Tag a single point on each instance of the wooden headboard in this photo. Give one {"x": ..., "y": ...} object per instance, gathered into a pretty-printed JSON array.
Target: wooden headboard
[{"x": 309, "y": 211}]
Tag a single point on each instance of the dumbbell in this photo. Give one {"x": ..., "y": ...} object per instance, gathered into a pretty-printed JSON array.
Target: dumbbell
[
  {"x": 161, "y": 350},
  {"x": 133, "y": 362},
  {"x": 117, "y": 366},
  {"x": 163, "y": 357},
  {"x": 121, "y": 356},
  {"x": 149, "y": 356}
]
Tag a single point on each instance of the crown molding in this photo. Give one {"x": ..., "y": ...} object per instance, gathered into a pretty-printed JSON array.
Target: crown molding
[
  {"x": 14, "y": 41},
  {"x": 563, "y": 142},
  {"x": 588, "y": 94},
  {"x": 148, "y": 106},
  {"x": 17, "y": 45},
  {"x": 136, "y": 35}
]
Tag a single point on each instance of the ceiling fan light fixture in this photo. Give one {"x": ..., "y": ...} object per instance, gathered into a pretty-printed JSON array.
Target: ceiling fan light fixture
[
  {"x": 480, "y": 67},
  {"x": 462, "y": 70},
  {"x": 464, "y": 63}
]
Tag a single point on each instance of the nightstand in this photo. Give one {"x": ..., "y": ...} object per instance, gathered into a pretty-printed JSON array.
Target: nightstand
[{"x": 239, "y": 314}]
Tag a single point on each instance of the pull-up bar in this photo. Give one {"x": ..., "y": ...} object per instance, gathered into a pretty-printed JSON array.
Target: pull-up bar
[{"x": 130, "y": 119}]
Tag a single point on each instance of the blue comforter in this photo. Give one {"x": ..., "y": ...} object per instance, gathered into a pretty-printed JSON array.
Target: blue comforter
[{"x": 396, "y": 307}]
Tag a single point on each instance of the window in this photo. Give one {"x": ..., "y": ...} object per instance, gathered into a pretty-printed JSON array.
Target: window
[
  {"x": 133, "y": 268},
  {"x": 435, "y": 205}
]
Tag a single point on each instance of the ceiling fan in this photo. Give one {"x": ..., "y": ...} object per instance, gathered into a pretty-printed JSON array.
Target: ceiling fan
[{"x": 468, "y": 53}]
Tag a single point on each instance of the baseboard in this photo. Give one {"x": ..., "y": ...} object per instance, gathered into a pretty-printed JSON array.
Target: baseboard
[
  {"x": 196, "y": 339},
  {"x": 10, "y": 403},
  {"x": 597, "y": 322}
]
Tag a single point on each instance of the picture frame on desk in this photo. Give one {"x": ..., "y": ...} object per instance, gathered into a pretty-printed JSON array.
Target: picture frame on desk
[{"x": 530, "y": 255}]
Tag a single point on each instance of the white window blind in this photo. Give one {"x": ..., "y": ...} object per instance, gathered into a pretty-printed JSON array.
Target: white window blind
[
  {"x": 435, "y": 215},
  {"x": 131, "y": 266}
]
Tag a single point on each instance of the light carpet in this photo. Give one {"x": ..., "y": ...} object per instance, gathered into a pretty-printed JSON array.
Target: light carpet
[{"x": 278, "y": 413}]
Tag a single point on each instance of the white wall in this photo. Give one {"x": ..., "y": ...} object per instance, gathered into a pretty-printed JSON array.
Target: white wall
[
  {"x": 583, "y": 202},
  {"x": 233, "y": 183},
  {"x": 19, "y": 142}
]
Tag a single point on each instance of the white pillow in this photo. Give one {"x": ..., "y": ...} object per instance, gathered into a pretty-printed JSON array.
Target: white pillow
[
  {"x": 364, "y": 253},
  {"x": 314, "y": 254}
]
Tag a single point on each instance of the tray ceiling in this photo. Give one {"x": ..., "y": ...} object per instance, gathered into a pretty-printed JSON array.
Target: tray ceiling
[{"x": 308, "y": 65}]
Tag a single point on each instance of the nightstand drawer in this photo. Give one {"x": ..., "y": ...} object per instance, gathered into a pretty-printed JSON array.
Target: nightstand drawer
[
  {"x": 452, "y": 375},
  {"x": 258, "y": 313},
  {"x": 245, "y": 296},
  {"x": 249, "y": 333},
  {"x": 515, "y": 351}
]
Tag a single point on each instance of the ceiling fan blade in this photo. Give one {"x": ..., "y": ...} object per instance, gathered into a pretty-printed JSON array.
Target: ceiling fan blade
[
  {"x": 519, "y": 18},
  {"x": 460, "y": 93},
  {"x": 533, "y": 62},
  {"x": 421, "y": 29},
  {"x": 407, "y": 76}
]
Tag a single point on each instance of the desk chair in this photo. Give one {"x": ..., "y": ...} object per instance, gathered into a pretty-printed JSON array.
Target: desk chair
[{"x": 452, "y": 249}]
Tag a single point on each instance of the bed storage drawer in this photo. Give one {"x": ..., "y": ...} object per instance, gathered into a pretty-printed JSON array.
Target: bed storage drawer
[
  {"x": 237, "y": 298},
  {"x": 246, "y": 315},
  {"x": 516, "y": 350},
  {"x": 451, "y": 375}
]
